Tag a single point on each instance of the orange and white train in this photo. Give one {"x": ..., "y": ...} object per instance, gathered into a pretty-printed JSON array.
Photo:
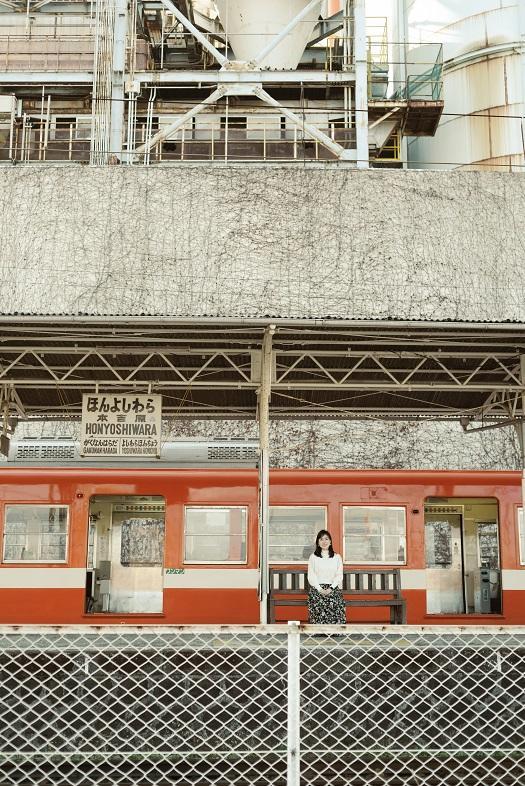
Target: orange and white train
[{"x": 160, "y": 544}]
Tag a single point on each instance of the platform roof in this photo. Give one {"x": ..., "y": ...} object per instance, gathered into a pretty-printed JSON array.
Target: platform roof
[{"x": 211, "y": 368}]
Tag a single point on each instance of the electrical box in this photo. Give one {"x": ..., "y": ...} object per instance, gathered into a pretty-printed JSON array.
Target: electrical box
[
  {"x": 104, "y": 570},
  {"x": 484, "y": 587},
  {"x": 8, "y": 104},
  {"x": 105, "y": 586}
]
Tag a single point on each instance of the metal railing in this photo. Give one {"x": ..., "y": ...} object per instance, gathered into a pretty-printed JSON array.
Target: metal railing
[
  {"x": 42, "y": 137},
  {"x": 262, "y": 706}
]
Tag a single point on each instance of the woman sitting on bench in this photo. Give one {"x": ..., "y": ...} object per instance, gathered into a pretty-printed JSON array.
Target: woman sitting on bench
[{"x": 326, "y": 605}]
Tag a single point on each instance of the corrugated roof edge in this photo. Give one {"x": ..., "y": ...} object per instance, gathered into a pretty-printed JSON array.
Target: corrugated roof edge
[{"x": 258, "y": 319}]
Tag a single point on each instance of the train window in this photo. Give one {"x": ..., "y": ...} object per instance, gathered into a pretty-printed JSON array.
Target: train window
[
  {"x": 35, "y": 533},
  {"x": 293, "y": 531},
  {"x": 374, "y": 534},
  {"x": 215, "y": 534},
  {"x": 521, "y": 532}
]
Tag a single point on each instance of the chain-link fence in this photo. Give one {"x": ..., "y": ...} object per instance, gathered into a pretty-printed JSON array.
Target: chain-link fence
[{"x": 262, "y": 706}]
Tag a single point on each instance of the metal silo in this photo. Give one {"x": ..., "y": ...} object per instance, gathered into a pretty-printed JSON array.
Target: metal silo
[
  {"x": 484, "y": 82},
  {"x": 250, "y": 25}
]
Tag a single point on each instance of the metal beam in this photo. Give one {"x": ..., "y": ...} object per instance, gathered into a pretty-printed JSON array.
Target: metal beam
[
  {"x": 164, "y": 133},
  {"x": 313, "y": 132},
  {"x": 46, "y": 78},
  {"x": 265, "y": 51},
  {"x": 327, "y": 27},
  {"x": 195, "y": 32},
  {"x": 306, "y": 77}
]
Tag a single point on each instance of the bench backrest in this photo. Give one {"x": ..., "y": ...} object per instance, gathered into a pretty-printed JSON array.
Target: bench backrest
[{"x": 383, "y": 581}]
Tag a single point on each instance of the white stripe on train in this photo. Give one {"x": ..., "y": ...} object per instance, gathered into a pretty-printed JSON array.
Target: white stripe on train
[{"x": 202, "y": 578}]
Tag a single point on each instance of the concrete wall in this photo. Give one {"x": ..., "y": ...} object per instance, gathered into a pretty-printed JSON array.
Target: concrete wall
[
  {"x": 251, "y": 241},
  {"x": 345, "y": 444}
]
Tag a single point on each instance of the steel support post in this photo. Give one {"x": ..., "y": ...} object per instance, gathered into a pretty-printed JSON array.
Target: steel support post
[
  {"x": 263, "y": 412},
  {"x": 120, "y": 31},
  {"x": 294, "y": 706},
  {"x": 361, "y": 84},
  {"x": 400, "y": 70},
  {"x": 520, "y": 429}
]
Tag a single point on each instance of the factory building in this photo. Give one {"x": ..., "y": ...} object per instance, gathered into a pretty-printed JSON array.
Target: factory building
[{"x": 159, "y": 81}]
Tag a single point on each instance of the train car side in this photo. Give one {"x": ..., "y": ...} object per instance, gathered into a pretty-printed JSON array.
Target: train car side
[{"x": 180, "y": 546}]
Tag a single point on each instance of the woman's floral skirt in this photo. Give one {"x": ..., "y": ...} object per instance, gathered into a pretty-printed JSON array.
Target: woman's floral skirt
[{"x": 326, "y": 609}]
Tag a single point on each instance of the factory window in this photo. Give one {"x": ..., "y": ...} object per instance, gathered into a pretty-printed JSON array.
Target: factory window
[
  {"x": 293, "y": 531},
  {"x": 35, "y": 533},
  {"x": 215, "y": 534},
  {"x": 521, "y": 535},
  {"x": 235, "y": 125},
  {"x": 63, "y": 127},
  {"x": 374, "y": 535}
]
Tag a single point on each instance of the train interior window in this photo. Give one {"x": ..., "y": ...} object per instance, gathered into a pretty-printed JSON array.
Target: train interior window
[
  {"x": 521, "y": 535},
  {"x": 125, "y": 554},
  {"x": 215, "y": 534},
  {"x": 35, "y": 533},
  {"x": 462, "y": 556},
  {"x": 374, "y": 535},
  {"x": 293, "y": 531}
]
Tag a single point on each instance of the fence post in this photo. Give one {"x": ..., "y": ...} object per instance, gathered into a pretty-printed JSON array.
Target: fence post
[{"x": 294, "y": 705}]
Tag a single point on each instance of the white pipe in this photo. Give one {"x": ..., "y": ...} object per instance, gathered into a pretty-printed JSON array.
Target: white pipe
[
  {"x": 41, "y": 135},
  {"x": 361, "y": 84},
  {"x": 12, "y": 129},
  {"x": 48, "y": 121},
  {"x": 117, "y": 78},
  {"x": 294, "y": 706}
]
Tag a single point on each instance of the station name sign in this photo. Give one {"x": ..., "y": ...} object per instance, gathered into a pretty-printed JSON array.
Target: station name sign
[{"x": 121, "y": 425}]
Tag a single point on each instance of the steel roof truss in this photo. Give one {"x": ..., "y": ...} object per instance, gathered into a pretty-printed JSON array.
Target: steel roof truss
[
  {"x": 354, "y": 368},
  {"x": 290, "y": 368},
  {"x": 110, "y": 367},
  {"x": 5, "y": 370},
  {"x": 324, "y": 370},
  {"x": 140, "y": 366},
  {"x": 235, "y": 366},
  {"x": 173, "y": 368}
]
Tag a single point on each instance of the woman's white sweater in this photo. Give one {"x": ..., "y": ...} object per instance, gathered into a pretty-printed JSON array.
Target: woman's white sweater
[{"x": 325, "y": 570}]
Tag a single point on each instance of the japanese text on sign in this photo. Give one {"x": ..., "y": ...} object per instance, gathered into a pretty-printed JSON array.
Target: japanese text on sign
[{"x": 121, "y": 425}]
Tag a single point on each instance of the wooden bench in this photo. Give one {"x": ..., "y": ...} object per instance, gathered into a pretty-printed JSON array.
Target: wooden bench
[{"x": 289, "y": 587}]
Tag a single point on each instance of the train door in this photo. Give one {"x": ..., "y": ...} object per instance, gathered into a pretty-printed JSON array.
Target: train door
[
  {"x": 444, "y": 559},
  {"x": 125, "y": 555},
  {"x": 462, "y": 557}
]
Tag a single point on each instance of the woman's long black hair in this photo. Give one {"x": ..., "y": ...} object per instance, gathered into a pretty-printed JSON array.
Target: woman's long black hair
[{"x": 317, "y": 551}]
